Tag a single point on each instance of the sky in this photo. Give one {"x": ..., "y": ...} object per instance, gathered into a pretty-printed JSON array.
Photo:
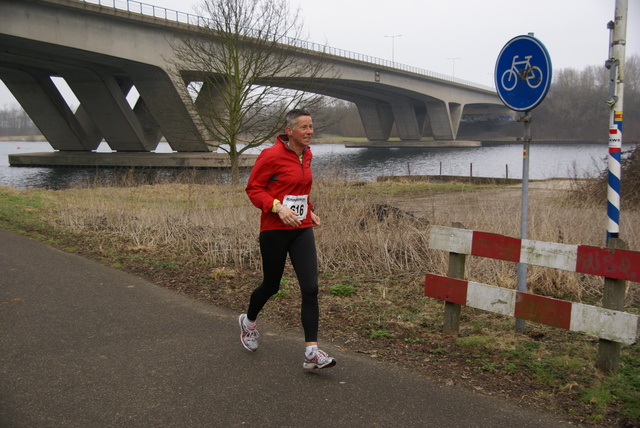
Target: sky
[{"x": 460, "y": 38}]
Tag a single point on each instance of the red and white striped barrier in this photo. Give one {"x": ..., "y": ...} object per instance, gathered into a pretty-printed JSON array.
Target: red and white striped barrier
[
  {"x": 606, "y": 262},
  {"x": 607, "y": 324}
]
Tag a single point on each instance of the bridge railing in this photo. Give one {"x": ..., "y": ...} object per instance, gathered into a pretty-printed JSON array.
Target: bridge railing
[{"x": 134, "y": 6}]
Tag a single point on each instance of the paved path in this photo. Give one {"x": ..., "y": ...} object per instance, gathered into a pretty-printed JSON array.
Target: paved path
[{"x": 84, "y": 345}]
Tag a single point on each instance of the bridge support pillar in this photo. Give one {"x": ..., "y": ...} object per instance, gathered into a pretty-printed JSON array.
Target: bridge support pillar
[
  {"x": 406, "y": 121},
  {"x": 444, "y": 119},
  {"x": 46, "y": 107},
  {"x": 103, "y": 99},
  {"x": 168, "y": 101},
  {"x": 209, "y": 103},
  {"x": 89, "y": 126},
  {"x": 150, "y": 127},
  {"x": 377, "y": 119}
]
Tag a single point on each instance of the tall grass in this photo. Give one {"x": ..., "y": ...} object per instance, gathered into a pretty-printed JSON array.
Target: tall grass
[
  {"x": 218, "y": 224},
  {"x": 209, "y": 221},
  {"x": 594, "y": 192}
]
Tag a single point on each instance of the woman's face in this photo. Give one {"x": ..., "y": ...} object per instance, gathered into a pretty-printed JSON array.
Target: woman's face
[{"x": 301, "y": 133}]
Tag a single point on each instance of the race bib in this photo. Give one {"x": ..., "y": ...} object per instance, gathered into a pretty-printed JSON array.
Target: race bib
[{"x": 298, "y": 204}]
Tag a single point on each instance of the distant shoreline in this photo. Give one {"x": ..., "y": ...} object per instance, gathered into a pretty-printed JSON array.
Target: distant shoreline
[
  {"x": 334, "y": 139},
  {"x": 14, "y": 138}
]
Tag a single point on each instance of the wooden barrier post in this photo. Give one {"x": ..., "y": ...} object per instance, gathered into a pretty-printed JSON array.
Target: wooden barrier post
[
  {"x": 452, "y": 310},
  {"x": 612, "y": 298}
]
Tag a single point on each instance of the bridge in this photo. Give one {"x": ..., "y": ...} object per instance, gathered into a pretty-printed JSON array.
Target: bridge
[{"x": 103, "y": 49}]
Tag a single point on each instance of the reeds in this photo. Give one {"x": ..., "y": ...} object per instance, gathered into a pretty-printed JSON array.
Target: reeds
[{"x": 375, "y": 230}]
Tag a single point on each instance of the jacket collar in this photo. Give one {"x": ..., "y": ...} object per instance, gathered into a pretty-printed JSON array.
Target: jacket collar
[{"x": 284, "y": 139}]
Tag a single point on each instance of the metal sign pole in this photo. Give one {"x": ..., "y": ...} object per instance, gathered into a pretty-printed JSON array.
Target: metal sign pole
[
  {"x": 524, "y": 217},
  {"x": 615, "y": 64},
  {"x": 523, "y": 77}
]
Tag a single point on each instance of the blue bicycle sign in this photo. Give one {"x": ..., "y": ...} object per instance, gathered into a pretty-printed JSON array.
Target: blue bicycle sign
[
  {"x": 530, "y": 74},
  {"x": 523, "y": 73}
]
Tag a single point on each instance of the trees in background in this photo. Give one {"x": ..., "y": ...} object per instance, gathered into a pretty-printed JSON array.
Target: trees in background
[
  {"x": 576, "y": 107},
  {"x": 15, "y": 122},
  {"x": 246, "y": 71},
  {"x": 340, "y": 118}
]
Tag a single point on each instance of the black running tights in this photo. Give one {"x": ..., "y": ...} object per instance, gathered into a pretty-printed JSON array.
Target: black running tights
[{"x": 301, "y": 247}]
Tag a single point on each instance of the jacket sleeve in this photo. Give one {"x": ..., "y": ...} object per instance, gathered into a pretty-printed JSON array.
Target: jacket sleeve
[{"x": 259, "y": 178}]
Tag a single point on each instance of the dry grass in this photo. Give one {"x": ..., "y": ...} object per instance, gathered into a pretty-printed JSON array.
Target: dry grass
[
  {"x": 211, "y": 221},
  {"x": 219, "y": 224},
  {"x": 594, "y": 192}
]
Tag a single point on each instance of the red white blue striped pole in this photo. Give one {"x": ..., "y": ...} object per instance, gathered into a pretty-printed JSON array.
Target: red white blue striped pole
[
  {"x": 613, "y": 188},
  {"x": 615, "y": 63}
]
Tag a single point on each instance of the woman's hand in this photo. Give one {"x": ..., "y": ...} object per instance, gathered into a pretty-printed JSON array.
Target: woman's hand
[
  {"x": 315, "y": 220},
  {"x": 287, "y": 216}
]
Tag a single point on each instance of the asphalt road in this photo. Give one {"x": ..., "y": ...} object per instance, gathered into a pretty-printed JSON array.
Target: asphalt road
[{"x": 85, "y": 345}]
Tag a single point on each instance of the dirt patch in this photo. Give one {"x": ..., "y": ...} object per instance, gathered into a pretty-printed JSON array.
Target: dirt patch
[{"x": 423, "y": 205}]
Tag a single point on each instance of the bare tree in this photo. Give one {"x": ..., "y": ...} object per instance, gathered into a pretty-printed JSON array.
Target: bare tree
[
  {"x": 14, "y": 121},
  {"x": 576, "y": 106},
  {"x": 246, "y": 69}
]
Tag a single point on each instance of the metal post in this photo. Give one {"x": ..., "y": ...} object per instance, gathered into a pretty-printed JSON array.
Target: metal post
[
  {"x": 615, "y": 63},
  {"x": 453, "y": 65},
  {"x": 393, "y": 47},
  {"x": 524, "y": 218}
]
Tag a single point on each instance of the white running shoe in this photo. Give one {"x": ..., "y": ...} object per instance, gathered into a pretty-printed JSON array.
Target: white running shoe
[
  {"x": 248, "y": 336},
  {"x": 319, "y": 360}
]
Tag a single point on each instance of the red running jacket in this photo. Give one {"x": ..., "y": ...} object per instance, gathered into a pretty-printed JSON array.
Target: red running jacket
[{"x": 276, "y": 173}]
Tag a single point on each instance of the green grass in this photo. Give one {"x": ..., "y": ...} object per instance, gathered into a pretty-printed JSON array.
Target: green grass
[
  {"x": 476, "y": 342},
  {"x": 284, "y": 291},
  {"x": 21, "y": 210},
  {"x": 623, "y": 387},
  {"x": 381, "y": 334},
  {"x": 341, "y": 290},
  {"x": 25, "y": 213}
]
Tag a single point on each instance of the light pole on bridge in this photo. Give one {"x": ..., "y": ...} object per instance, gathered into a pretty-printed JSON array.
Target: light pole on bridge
[
  {"x": 453, "y": 65},
  {"x": 393, "y": 42}
]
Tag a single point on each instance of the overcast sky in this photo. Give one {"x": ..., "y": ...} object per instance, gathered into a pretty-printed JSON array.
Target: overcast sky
[{"x": 457, "y": 37}]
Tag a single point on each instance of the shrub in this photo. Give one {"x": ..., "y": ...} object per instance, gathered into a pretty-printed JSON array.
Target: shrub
[
  {"x": 341, "y": 290},
  {"x": 595, "y": 191}
]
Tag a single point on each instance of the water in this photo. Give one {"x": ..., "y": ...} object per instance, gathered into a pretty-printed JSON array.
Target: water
[
  {"x": 582, "y": 160},
  {"x": 546, "y": 160}
]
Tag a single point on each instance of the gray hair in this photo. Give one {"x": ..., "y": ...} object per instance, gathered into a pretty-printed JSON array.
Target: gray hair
[{"x": 292, "y": 117}]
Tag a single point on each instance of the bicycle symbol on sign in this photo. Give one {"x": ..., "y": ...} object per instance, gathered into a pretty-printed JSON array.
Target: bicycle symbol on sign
[{"x": 531, "y": 74}]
